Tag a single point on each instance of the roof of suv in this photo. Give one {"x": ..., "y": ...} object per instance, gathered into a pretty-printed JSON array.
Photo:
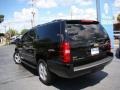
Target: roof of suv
[
  {"x": 70, "y": 21},
  {"x": 74, "y": 20}
]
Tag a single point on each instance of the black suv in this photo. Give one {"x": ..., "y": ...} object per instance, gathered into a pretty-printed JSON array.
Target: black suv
[{"x": 66, "y": 48}]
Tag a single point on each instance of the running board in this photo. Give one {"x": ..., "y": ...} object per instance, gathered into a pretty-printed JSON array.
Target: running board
[{"x": 32, "y": 66}]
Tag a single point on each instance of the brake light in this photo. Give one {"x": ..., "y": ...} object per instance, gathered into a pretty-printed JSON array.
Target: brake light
[
  {"x": 89, "y": 21},
  {"x": 65, "y": 52},
  {"x": 108, "y": 46}
]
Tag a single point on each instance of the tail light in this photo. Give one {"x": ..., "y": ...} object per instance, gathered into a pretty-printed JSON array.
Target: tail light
[
  {"x": 65, "y": 52},
  {"x": 108, "y": 45}
]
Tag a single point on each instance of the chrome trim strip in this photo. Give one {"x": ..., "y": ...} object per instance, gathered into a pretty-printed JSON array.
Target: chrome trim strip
[{"x": 83, "y": 67}]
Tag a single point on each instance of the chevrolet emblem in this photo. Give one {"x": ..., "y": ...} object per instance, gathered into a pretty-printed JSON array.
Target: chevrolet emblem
[{"x": 96, "y": 45}]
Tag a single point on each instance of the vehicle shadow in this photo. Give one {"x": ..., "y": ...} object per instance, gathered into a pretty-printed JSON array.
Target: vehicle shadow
[
  {"x": 81, "y": 82},
  {"x": 31, "y": 70},
  {"x": 76, "y": 83}
]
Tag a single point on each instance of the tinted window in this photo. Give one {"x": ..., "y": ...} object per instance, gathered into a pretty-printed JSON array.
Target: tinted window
[
  {"x": 26, "y": 38},
  {"x": 32, "y": 34},
  {"x": 85, "y": 31},
  {"x": 49, "y": 32}
]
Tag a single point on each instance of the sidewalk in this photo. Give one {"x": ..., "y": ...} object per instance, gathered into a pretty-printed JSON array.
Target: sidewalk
[{"x": 2, "y": 44}]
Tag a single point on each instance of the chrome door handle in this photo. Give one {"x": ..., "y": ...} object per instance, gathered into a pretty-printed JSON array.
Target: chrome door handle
[{"x": 51, "y": 50}]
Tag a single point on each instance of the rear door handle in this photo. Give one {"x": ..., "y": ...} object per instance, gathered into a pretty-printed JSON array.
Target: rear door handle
[{"x": 51, "y": 50}]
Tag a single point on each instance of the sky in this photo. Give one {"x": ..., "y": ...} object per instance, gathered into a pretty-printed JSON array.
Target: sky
[{"x": 18, "y": 12}]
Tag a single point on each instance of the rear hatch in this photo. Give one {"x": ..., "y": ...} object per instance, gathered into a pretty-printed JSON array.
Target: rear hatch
[{"x": 88, "y": 40}]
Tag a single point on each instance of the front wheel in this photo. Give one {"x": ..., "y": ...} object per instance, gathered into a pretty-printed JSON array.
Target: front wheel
[
  {"x": 45, "y": 75},
  {"x": 17, "y": 58}
]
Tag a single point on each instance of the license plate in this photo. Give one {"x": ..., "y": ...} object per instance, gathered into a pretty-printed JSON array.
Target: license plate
[{"x": 94, "y": 51}]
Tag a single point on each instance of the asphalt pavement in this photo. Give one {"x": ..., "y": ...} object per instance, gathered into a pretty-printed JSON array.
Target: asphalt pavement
[{"x": 21, "y": 77}]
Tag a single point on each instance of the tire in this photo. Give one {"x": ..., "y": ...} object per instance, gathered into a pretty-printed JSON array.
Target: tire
[
  {"x": 117, "y": 53},
  {"x": 45, "y": 75},
  {"x": 17, "y": 58}
]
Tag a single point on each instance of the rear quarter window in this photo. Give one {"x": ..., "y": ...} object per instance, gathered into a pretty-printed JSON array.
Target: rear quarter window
[{"x": 49, "y": 32}]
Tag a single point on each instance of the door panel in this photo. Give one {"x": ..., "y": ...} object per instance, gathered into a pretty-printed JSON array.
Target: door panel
[{"x": 27, "y": 49}]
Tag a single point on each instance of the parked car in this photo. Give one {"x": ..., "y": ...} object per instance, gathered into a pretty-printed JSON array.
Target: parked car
[
  {"x": 64, "y": 48},
  {"x": 116, "y": 34},
  {"x": 14, "y": 39},
  {"x": 117, "y": 54}
]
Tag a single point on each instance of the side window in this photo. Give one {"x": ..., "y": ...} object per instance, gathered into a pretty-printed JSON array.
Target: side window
[
  {"x": 49, "y": 32},
  {"x": 54, "y": 30},
  {"x": 32, "y": 34},
  {"x": 26, "y": 38}
]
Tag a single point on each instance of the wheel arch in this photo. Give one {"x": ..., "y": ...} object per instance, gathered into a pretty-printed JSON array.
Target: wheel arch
[
  {"x": 16, "y": 50},
  {"x": 38, "y": 57}
]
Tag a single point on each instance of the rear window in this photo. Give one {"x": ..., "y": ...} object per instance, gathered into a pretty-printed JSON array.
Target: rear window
[{"x": 85, "y": 31}]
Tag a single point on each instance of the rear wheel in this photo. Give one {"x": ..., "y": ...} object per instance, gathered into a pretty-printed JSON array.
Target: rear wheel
[
  {"x": 17, "y": 58},
  {"x": 45, "y": 75}
]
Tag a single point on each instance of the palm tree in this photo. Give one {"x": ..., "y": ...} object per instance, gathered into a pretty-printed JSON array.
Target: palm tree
[{"x": 1, "y": 18}]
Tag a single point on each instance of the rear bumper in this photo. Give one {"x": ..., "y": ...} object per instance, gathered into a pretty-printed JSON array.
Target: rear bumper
[{"x": 68, "y": 71}]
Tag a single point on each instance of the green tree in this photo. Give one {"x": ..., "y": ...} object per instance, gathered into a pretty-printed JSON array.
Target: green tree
[
  {"x": 118, "y": 18},
  {"x": 12, "y": 32},
  {"x": 1, "y": 18},
  {"x": 2, "y": 34},
  {"x": 24, "y": 31}
]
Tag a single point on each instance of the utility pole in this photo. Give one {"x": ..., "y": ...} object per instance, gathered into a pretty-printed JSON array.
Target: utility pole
[
  {"x": 33, "y": 15},
  {"x": 71, "y": 13},
  {"x": 98, "y": 10}
]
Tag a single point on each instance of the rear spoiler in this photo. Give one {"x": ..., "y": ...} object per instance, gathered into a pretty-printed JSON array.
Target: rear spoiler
[{"x": 81, "y": 22}]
